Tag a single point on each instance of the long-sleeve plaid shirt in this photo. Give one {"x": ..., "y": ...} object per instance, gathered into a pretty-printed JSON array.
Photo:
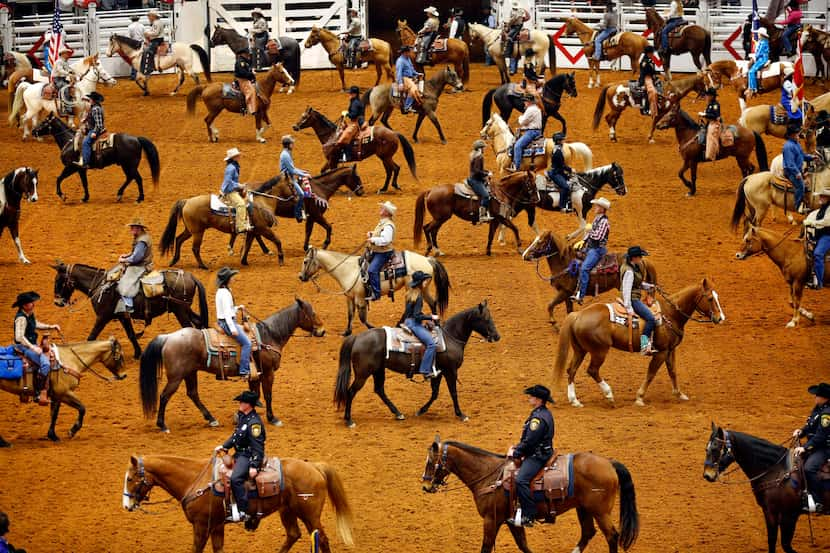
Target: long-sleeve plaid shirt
[
  {"x": 598, "y": 236},
  {"x": 95, "y": 119}
]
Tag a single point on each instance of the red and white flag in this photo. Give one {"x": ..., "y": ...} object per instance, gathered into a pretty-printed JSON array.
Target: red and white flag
[
  {"x": 798, "y": 77},
  {"x": 56, "y": 40}
]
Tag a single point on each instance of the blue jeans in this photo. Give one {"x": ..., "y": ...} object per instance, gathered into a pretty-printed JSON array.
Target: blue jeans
[
  {"x": 523, "y": 141},
  {"x": 822, "y": 247},
  {"x": 592, "y": 257},
  {"x": 245, "y": 342},
  {"x": 561, "y": 182},
  {"x": 39, "y": 359},
  {"x": 238, "y": 478},
  {"x": 602, "y": 35},
  {"x": 667, "y": 28},
  {"x": 753, "y": 74},
  {"x": 86, "y": 149},
  {"x": 379, "y": 259},
  {"x": 354, "y": 43},
  {"x": 530, "y": 468},
  {"x": 798, "y": 186},
  {"x": 481, "y": 191},
  {"x": 425, "y": 337},
  {"x": 298, "y": 207},
  {"x": 785, "y": 37},
  {"x": 644, "y": 313},
  {"x": 811, "y": 467}
]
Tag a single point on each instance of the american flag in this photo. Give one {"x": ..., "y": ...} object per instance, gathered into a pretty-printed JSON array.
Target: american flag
[
  {"x": 56, "y": 40},
  {"x": 798, "y": 76}
]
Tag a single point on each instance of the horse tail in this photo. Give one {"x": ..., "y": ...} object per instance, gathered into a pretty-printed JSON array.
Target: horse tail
[
  {"x": 442, "y": 285},
  {"x": 740, "y": 205},
  {"x": 585, "y": 152},
  {"x": 192, "y": 96},
  {"x": 465, "y": 65},
  {"x": 420, "y": 207},
  {"x": 566, "y": 337},
  {"x": 344, "y": 373},
  {"x": 14, "y": 118},
  {"x": 629, "y": 517},
  {"x": 552, "y": 55},
  {"x": 600, "y": 107},
  {"x": 148, "y": 376},
  {"x": 409, "y": 154},
  {"x": 487, "y": 105},
  {"x": 203, "y": 58},
  {"x": 204, "y": 314},
  {"x": 152, "y": 158},
  {"x": 761, "y": 152},
  {"x": 169, "y": 235},
  {"x": 337, "y": 495}
]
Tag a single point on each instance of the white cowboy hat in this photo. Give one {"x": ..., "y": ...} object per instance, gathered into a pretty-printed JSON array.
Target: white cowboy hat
[
  {"x": 232, "y": 153},
  {"x": 431, "y": 11},
  {"x": 763, "y": 32},
  {"x": 153, "y": 13},
  {"x": 788, "y": 70},
  {"x": 257, "y": 11},
  {"x": 64, "y": 50},
  {"x": 389, "y": 206},
  {"x": 604, "y": 202},
  {"x": 825, "y": 192}
]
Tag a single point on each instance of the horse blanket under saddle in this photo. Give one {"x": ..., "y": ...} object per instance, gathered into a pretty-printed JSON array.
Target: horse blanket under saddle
[
  {"x": 609, "y": 42},
  {"x": 273, "y": 46},
  {"x": 619, "y": 315},
  {"x": 439, "y": 45},
  {"x": 268, "y": 482},
  {"x": 727, "y": 136},
  {"x": 223, "y": 350},
  {"x": 795, "y": 470},
  {"x": 550, "y": 487},
  {"x": 676, "y": 32},
  {"x": 639, "y": 93},
  {"x": 402, "y": 340},
  {"x": 535, "y": 148},
  {"x": 219, "y": 207},
  {"x": 231, "y": 91},
  {"x": 363, "y": 46},
  {"x": 778, "y": 115}
]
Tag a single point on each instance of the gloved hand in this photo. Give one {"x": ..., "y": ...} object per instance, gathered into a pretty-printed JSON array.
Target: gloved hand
[
  {"x": 219, "y": 448},
  {"x": 578, "y": 245},
  {"x": 799, "y": 450},
  {"x": 797, "y": 433}
]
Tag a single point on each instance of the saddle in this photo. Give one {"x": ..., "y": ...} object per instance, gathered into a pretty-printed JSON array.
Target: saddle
[
  {"x": 273, "y": 46},
  {"x": 678, "y": 30},
  {"x": 223, "y": 350},
  {"x": 778, "y": 115},
  {"x": 620, "y": 316},
  {"x": 231, "y": 91},
  {"x": 15, "y": 366},
  {"x": 769, "y": 69},
  {"x": 267, "y": 483},
  {"x": 152, "y": 284},
  {"x": 551, "y": 486},
  {"x": 608, "y": 265},
  {"x": 219, "y": 207},
  {"x": 103, "y": 143},
  {"x": 535, "y": 148},
  {"x": 49, "y": 92},
  {"x": 402, "y": 340},
  {"x": 439, "y": 45},
  {"x": 464, "y": 190}
]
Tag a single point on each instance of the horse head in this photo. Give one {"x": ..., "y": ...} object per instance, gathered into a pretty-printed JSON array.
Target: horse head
[
  {"x": 543, "y": 245},
  {"x": 281, "y": 74},
  {"x": 708, "y": 304},
  {"x": 452, "y": 79},
  {"x": 137, "y": 484},
  {"x": 751, "y": 245},
  {"x": 483, "y": 324},
  {"x": 309, "y": 320},
  {"x": 114, "y": 46},
  {"x": 718, "y": 454},
  {"x": 217, "y": 38},
  {"x": 435, "y": 471},
  {"x": 311, "y": 265},
  {"x": 670, "y": 119},
  {"x": 64, "y": 285},
  {"x": 23, "y": 182},
  {"x": 617, "y": 179},
  {"x": 114, "y": 361},
  {"x": 313, "y": 37},
  {"x": 306, "y": 119},
  {"x": 45, "y": 127},
  {"x": 403, "y": 29},
  {"x": 570, "y": 84}
]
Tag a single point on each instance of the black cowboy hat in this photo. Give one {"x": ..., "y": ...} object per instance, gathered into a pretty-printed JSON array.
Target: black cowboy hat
[
  {"x": 225, "y": 274},
  {"x": 648, "y": 49},
  {"x": 418, "y": 277},
  {"x": 26, "y": 297},
  {"x": 793, "y": 129},
  {"x": 558, "y": 136},
  {"x": 250, "y": 397},
  {"x": 537, "y": 390},
  {"x": 354, "y": 89},
  {"x": 404, "y": 48},
  {"x": 95, "y": 96},
  {"x": 636, "y": 251},
  {"x": 711, "y": 91},
  {"x": 821, "y": 390}
]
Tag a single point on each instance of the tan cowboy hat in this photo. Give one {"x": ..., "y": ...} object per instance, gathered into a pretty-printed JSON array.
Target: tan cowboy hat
[
  {"x": 825, "y": 192},
  {"x": 64, "y": 50},
  {"x": 604, "y": 202},
  {"x": 232, "y": 153},
  {"x": 762, "y": 31},
  {"x": 257, "y": 11},
  {"x": 153, "y": 13},
  {"x": 137, "y": 222},
  {"x": 431, "y": 11},
  {"x": 389, "y": 207}
]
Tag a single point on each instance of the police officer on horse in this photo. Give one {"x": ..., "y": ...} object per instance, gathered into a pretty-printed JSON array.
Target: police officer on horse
[{"x": 817, "y": 448}]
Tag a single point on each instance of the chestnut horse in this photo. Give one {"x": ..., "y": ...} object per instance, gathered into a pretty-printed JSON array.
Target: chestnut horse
[
  {"x": 480, "y": 470},
  {"x": 733, "y": 72},
  {"x": 189, "y": 482},
  {"x": 692, "y": 39},
  {"x": 457, "y": 53},
  {"x": 380, "y": 55},
  {"x": 627, "y": 44},
  {"x": 591, "y": 331}
]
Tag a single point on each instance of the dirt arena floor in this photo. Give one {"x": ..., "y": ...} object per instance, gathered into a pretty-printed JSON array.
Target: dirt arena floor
[{"x": 749, "y": 374}]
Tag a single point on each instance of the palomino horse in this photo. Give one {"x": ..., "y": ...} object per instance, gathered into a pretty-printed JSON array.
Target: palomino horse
[
  {"x": 380, "y": 98},
  {"x": 183, "y": 354},
  {"x": 692, "y": 151},
  {"x": 734, "y": 72},
  {"x": 384, "y": 144},
  {"x": 75, "y": 358},
  {"x": 790, "y": 258},
  {"x": 768, "y": 471},
  {"x": 366, "y": 355},
  {"x": 480, "y": 471},
  {"x": 498, "y": 131},
  {"x": 514, "y": 192},
  {"x": 125, "y": 152},
  {"x": 180, "y": 290},
  {"x": 693, "y": 39},
  {"x": 757, "y": 118},
  {"x": 189, "y": 481},
  {"x": 181, "y": 57},
  {"x": 539, "y": 42},
  {"x": 623, "y": 44},
  {"x": 380, "y": 55},
  {"x": 821, "y": 102},
  {"x": 551, "y": 94},
  {"x": 18, "y": 184},
  {"x": 215, "y": 102},
  {"x": 617, "y": 97},
  {"x": 590, "y": 331},
  {"x": 457, "y": 52},
  {"x": 345, "y": 269},
  {"x": 559, "y": 254},
  {"x": 288, "y": 52}
]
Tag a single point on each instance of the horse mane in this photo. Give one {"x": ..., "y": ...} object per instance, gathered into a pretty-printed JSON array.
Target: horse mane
[
  {"x": 474, "y": 449},
  {"x": 128, "y": 41},
  {"x": 687, "y": 119},
  {"x": 763, "y": 452},
  {"x": 281, "y": 324},
  {"x": 269, "y": 184},
  {"x": 325, "y": 120}
]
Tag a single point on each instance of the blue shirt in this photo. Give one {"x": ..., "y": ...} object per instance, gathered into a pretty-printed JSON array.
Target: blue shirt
[
  {"x": 230, "y": 182},
  {"x": 794, "y": 157},
  {"x": 136, "y": 257},
  {"x": 404, "y": 68},
  {"x": 287, "y": 166},
  {"x": 762, "y": 51}
]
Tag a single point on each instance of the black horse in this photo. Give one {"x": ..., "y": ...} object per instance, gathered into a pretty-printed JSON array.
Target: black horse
[
  {"x": 17, "y": 184},
  {"x": 289, "y": 53},
  {"x": 125, "y": 152},
  {"x": 366, "y": 355},
  {"x": 506, "y": 101},
  {"x": 180, "y": 287}
]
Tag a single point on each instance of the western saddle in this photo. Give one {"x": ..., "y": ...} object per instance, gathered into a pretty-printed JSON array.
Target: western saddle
[{"x": 550, "y": 487}]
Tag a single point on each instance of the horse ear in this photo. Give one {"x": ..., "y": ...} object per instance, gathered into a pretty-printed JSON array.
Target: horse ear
[
  {"x": 298, "y": 300},
  {"x": 714, "y": 427},
  {"x": 134, "y": 461}
]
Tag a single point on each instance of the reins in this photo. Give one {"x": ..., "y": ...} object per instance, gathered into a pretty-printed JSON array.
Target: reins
[
  {"x": 342, "y": 292},
  {"x": 768, "y": 251},
  {"x": 87, "y": 367}
]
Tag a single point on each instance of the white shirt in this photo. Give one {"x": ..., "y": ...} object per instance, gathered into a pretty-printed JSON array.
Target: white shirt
[
  {"x": 453, "y": 27},
  {"x": 531, "y": 118},
  {"x": 225, "y": 309},
  {"x": 674, "y": 10},
  {"x": 625, "y": 287},
  {"x": 135, "y": 31},
  {"x": 387, "y": 234}
]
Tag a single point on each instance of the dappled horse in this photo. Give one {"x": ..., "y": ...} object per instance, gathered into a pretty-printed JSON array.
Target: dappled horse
[
  {"x": 508, "y": 97},
  {"x": 456, "y": 52},
  {"x": 18, "y": 184},
  {"x": 733, "y": 72},
  {"x": 379, "y": 55},
  {"x": 622, "y": 44},
  {"x": 190, "y": 482},
  {"x": 180, "y": 288},
  {"x": 690, "y": 38},
  {"x": 366, "y": 355},
  {"x": 284, "y": 49},
  {"x": 536, "y": 40},
  {"x": 183, "y": 353},
  {"x": 591, "y": 331},
  {"x": 481, "y": 471}
]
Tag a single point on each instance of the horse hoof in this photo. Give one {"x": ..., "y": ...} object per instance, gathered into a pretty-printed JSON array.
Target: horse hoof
[
  {"x": 118, "y": 198},
  {"x": 463, "y": 418},
  {"x": 345, "y": 333},
  {"x": 400, "y": 417},
  {"x": 576, "y": 403},
  {"x": 85, "y": 200},
  {"x": 350, "y": 424},
  {"x": 261, "y": 140},
  {"x": 275, "y": 422},
  {"x": 281, "y": 260},
  {"x": 139, "y": 199},
  {"x": 681, "y": 396},
  {"x": 230, "y": 251},
  {"x": 444, "y": 142},
  {"x": 651, "y": 141},
  {"x": 213, "y": 423},
  {"x": 382, "y": 191},
  {"x": 53, "y": 437},
  {"x": 203, "y": 267},
  {"x": 639, "y": 402}
]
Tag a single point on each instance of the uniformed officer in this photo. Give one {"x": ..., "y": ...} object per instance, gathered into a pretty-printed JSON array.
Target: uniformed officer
[
  {"x": 560, "y": 172},
  {"x": 817, "y": 448},
  {"x": 249, "y": 442},
  {"x": 534, "y": 449}
]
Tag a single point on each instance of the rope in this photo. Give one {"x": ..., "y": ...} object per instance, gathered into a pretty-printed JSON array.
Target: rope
[{"x": 279, "y": 198}]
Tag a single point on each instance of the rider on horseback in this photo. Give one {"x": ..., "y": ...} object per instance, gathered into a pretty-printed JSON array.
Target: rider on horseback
[
  {"x": 137, "y": 263},
  {"x": 530, "y": 128},
  {"x": 353, "y": 34},
  {"x": 226, "y": 318},
  {"x": 761, "y": 56},
  {"x": 793, "y": 23},
  {"x": 819, "y": 221},
  {"x": 533, "y": 451},
  {"x": 513, "y": 26},
  {"x": 259, "y": 38},
  {"x": 631, "y": 287},
  {"x": 154, "y": 37},
  {"x": 428, "y": 33},
  {"x": 233, "y": 193},
  {"x": 62, "y": 73},
  {"x": 559, "y": 172},
  {"x": 817, "y": 448},
  {"x": 419, "y": 324},
  {"x": 292, "y": 174},
  {"x": 245, "y": 78},
  {"x": 353, "y": 121},
  {"x": 605, "y": 29},
  {"x": 595, "y": 241},
  {"x": 648, "y": 76},
  {"x": 478, "y": 180},
  {"x": 532, "y": 81},
  {"x": 674, "y": 18},
  {"x": 380, "y": 246},
  {"x": 794, "y": 158},
  {"x": 26, "y": 326},
  {"x": 94, "y": 125},
  {"x": 405, "y": 73},
  {"x": 710, "y": 131},
  {"x": 789, "y": 98}
]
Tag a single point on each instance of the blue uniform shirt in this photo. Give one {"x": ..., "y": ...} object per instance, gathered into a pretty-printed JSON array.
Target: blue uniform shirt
[
  {"x": 404, "y": 68},
  {"x": 231, "y": 181},
  {"x": 794, "y": 157}
]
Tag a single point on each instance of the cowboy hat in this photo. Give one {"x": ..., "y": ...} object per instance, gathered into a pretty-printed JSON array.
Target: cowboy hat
[
  {"x": 636, "y": 251},
  {"x": 537, "y": 390},
  {"x": 824, "y": 192},
  {"x": 389, "y": 207},
  {"x": 26, "y": 297},
  {"x": 257, "y": 11},
  {"x": 603, "y": 202},
  {"x": 232, "y": 153},
  {"x": 794, "y": 128},
  {"x": 479, "y": 144},
  {"x": 558, "y": 136},
  {"x": 224, "y": 275},
  {"x": 153, "y": 13},
  {"x": 431, "y": 11},
  {"x": 95, "y": 96},
  {"x": 821, "y": 390},
  {"x": 763, "y": 32},
  {"x": 404, "y": 48},
  {"x": 64, "y": 50},
  {"x": 354, "y": 89},
  {"x": 250, "y": 397},
  {"x": 135, "y": 17},
  {"x": 136, "y": 222},
  {"x": 417, "y": 278}
]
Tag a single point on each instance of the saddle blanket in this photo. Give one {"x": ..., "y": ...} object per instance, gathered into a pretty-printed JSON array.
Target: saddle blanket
[
  {"x": 554, "y": 482},
  {"x": 273, "y": 46},
  {"x": 535, "y": 148},
  {"x": 397, "y": 266},
  {"x": 608, "y": 42},
  {"x": 439, "y": 45},
  {"x": 216, "y": 340},
  {"x": 11, "y": 364},
  {"x": 268, "y": 482},
  {"x": 401, "y": 340},
  {"x": 464, "y": 190},
  {"x": 231, "y": 92},
  {"x": 778, "y": 115},
  {"x": 620, "y": 316},
  {"x": 365, "y": 46},
  {"x": 609, "y": 264},
  {"x": 769, "y": 70},
  {"x": 221, "y": 208}
]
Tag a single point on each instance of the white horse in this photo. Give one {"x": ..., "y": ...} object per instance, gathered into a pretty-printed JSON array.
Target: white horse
[
  {"x": 539, "y": 42},
  {"x": 180, "y": 56}
]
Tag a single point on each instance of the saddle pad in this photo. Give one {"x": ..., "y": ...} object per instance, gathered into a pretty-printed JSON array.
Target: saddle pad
[
  {"x": 727, "y": 136},
  {"x": 556, "y": 479},
  {"x": 105, "y": 141},
  {"x": 230, "y": 92},
  {"x": 399, "y": 340},
  {"x": 677, "y": 31},
  {"x": 396, "y": 262},
  {"x": 217, "y": 205},
  {"x": 366, "y": 134},
  {"x": 273, "y": 46},
  {"x": 269, "y": 482},
  {"x": 535, "y": 148},
  {"x": 365, "y": 46},
  {"x": 613, "y": 41},
  {"x": 216, "y": 340},
  {"x": 620, "y": 316},
  {"x": 463, "y": 189},
  {"x": 439, "y": 45},
  {"x": 608, "y": 264},
  {"x": 770, "y": 70},
  {"x": 777, "y": 114}
]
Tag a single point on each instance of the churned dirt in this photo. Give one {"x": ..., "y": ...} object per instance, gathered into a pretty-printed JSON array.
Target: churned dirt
[{"x": 748, "y": 374}]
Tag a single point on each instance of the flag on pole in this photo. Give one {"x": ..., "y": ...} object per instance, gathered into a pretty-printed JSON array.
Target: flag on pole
[
  {"x": 798, "y": 77},
  {"x": 756, "y": 23},
  {"x": 56, "y": 40}
]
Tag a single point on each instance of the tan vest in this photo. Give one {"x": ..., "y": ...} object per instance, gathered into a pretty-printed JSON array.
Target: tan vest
[
  {"x": 375, "y": 233},
  {"x": 148, "y": 242},
  {"x": 636, "y": 287}
]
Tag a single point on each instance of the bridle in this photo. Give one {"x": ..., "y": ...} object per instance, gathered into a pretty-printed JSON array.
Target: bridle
[
  {"x": 762, "y": 248},
  {"x": 438, "y": 479},
  {"x": 697, "y": 309},
  {"x": 142, "y": 491},
  {"x": 725, "y": 455}
]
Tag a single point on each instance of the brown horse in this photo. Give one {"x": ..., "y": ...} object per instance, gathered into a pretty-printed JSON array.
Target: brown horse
[
  {"x": 18, "y": 184},
  {"x": 384, "y": 144},
  {"x": 627, "y": 44},
  {"x": 457, "y": 53},
  {"x": 692, "y": 39},
  {"x": 733, "y": 72},
  {"x": 215, "y": 101},
  {"x": 380, "y": 55},
  {"x": 559, "y": 255},
  {"x": 366, "y": 355},
  {"x": 591, "y": 331},
  {"x": 189, "y": 482},
  {"x": 817, "y": 43},
  {"x": 183, "y": 354},
  {"x": 513, "y": 193},
  {"x": 480, "y": 470},
  {"x": 790, "y": 258},
  {"x": 692, "y": 151}
]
